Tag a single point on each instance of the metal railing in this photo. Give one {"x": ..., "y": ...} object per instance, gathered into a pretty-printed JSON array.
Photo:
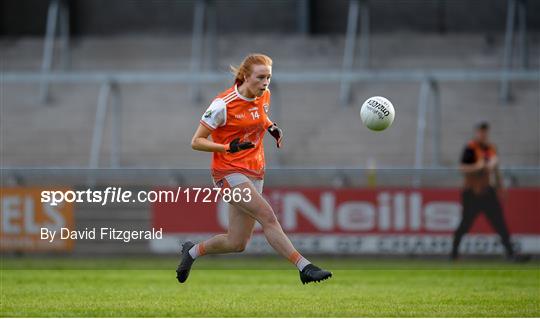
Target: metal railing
[
  {"x": 429, "y": 99},
  {"x": 332, "y": 177}
]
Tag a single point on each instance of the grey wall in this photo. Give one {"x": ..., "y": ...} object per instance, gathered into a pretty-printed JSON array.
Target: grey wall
[
  {"x": 425, "y": 15},
  {"x": 112, "y": 17}
]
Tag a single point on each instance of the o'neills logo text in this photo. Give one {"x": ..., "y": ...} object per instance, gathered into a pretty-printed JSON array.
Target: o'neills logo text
[
  {"x": 387, "y": 212},
  {"x": 378, "y": 106}
]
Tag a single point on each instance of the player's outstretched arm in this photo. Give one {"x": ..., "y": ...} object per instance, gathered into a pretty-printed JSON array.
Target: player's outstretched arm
[{"x": 200, "y": 142}]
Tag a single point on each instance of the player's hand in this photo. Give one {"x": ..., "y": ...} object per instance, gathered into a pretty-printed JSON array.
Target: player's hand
[
  {"x": 480, "y": 165},
  {"x": 277, "y": 133},
  {"x": 492, "y": 163},
  {"x": 237, "y": 146}
]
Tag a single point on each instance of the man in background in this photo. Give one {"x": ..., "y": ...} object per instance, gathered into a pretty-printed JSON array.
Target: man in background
[{"x": 479, "y": 163}]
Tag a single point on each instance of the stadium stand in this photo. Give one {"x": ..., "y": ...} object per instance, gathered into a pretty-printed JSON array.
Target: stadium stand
[{"x": 158, "y": 119}]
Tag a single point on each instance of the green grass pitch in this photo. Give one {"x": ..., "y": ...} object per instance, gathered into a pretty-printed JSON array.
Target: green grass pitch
[{"x": 266, "y": 287}]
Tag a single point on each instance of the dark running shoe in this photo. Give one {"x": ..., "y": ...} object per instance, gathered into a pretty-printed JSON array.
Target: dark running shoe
[
  {"x": 312, "y": 273},
  {"x": 182, "y": 271}
]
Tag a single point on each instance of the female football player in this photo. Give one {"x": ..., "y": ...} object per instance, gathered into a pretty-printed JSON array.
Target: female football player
[{"x": 237, "y": 121}]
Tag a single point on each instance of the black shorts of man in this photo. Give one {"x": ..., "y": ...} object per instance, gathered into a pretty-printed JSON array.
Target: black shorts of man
[{"x": 479, "y": 163}]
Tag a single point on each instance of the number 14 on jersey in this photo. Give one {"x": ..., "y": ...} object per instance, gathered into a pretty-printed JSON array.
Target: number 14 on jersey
[{"x": 255, "y": 115}]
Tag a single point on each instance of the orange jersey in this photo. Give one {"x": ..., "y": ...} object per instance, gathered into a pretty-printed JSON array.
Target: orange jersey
[
  {"x": 473, "y": 153},
  {"x": 231, "y": 116}
]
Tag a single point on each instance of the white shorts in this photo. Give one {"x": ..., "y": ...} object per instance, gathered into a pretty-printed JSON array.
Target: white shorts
[{"x": 236, "y": 179}]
